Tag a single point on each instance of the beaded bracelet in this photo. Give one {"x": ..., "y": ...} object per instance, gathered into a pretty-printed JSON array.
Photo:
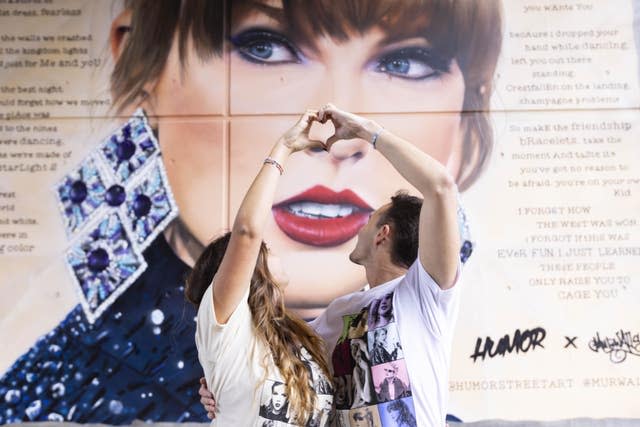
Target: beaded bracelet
[{"x": 273, "y": 162}]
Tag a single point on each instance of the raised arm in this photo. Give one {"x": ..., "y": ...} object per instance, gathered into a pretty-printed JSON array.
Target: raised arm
[
  {"x": 439, "y": 241},
  {"x": 238, "y": 264}
]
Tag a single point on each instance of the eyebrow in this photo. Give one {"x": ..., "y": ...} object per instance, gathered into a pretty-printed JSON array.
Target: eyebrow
[{"x": 398, "y": 38}]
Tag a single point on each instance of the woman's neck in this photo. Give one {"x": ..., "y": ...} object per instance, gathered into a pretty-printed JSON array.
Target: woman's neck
[{"x": 183, "y": 242}]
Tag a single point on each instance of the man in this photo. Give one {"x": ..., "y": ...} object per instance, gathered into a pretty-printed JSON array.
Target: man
[{"x": 410, "y": 251}]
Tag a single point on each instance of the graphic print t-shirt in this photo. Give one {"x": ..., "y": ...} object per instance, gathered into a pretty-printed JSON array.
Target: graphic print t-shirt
[
  {"x": 231, "y": 357},
  {"x": 390, "y": 349}
]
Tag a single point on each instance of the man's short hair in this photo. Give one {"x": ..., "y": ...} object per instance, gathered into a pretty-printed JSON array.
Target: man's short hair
[{"x": 403, "y": 216}]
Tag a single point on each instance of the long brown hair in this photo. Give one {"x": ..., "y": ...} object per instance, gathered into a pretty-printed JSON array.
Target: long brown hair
[
  {"x": 468, "y": 30},
  {"x": 283, "y": 333}
]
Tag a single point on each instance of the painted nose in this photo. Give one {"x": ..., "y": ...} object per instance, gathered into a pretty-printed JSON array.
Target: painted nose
[
  {"x": 342, "y": 87},
  {"x": 349, "y": 150},
  {"x": 343, "y": 150}
]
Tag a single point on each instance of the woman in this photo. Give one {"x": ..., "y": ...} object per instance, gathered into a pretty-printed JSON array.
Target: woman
[
  {"x": 400, "y": 414},
  {"x": 363, "y": 418},
  {"x": 384, "y": 349},
  {"x": 278, "y": 405},
  {"x": 382, "y": 312},
  {"x": 257, "y": 357}
]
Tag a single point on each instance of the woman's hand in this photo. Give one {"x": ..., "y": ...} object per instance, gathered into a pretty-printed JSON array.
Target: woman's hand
[
  {"x": 297, "y": 138},
  {"x": 238, "y": 264}
]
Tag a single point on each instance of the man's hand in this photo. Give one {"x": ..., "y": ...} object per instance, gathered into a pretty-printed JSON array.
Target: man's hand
[
  {"x": 439, "y": 241},
  {"x": 207, "y": 400},
  {"x": 297, "y": 138},
  {"x": 348, "y": 125}
]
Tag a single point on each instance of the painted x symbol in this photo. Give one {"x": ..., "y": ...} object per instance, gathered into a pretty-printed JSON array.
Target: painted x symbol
[{"x": 570, "y": 341}]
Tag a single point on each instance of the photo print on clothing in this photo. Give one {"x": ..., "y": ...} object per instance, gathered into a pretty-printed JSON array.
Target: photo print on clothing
[
  {"x": 398, "y": 413},
  {"x": 343, "y": 395},
  {"x": 323, "y": 389},
  {"x": 380, "y": 312},
  {"x": 322, "y": 415},
  {"x": 384, "y": 345},
  {"x": 364, "y": 417},
  {"x": 354, "y": 326},
  {"x": 320, "y": 383},
  {"x": 362, "y": 380},
  {"x": 370, "y": 373},
  {"x": 274, "y": 402},
  {"x": 391, "y": 381},
  {"x": 342, "y": 359}
]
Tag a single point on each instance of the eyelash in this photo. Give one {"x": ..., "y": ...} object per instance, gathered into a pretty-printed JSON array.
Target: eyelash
[
  {"x": 249, "y": 38},
  {"x": 252, "y": 37},
  {"x": 428, "y": 57}
]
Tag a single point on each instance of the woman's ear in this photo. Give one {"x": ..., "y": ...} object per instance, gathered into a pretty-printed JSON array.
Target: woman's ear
[{"x": 119, "y": 33}]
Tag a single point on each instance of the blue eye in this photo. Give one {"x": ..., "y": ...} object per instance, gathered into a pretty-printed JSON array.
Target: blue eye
[
  {"x": 398, "y": 66},
  {"x": 260, "y": 50},
  {"x": 413, "y": 63},
  {"x": 265, "y": 47}
]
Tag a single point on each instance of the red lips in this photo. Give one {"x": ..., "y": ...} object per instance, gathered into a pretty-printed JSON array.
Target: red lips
[{"x": 322, "y": 217}]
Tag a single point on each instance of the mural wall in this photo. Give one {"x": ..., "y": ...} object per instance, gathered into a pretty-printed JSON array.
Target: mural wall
[{"x": 129, "y": 131}]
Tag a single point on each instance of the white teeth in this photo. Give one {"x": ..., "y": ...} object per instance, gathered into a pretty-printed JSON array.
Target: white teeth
[
  {"x": 321, "y": 210},
  {"x": 346, "y": 210},
  {"x": 311, "y": 209}
]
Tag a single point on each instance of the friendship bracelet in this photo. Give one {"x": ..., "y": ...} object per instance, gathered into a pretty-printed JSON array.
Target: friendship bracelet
[
  {"x": 273, "y": 162},
  {"x": 374, "y": 139}
]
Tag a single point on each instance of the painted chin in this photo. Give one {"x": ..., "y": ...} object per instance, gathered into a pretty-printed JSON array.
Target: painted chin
[{"x": 322, "y": 217}]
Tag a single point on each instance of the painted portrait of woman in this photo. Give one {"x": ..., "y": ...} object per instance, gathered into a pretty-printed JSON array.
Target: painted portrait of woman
[
  {"x": 217, "y": 80},
  {"x": 427, "y": 78}
]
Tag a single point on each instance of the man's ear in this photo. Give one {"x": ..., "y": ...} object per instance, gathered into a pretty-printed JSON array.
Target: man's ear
[
  {"x": 383, "y": 234},
  {"x": 119, "y": 33}
]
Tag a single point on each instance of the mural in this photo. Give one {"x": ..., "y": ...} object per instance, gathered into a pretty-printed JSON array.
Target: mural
[{"x": 127, "y": 129}]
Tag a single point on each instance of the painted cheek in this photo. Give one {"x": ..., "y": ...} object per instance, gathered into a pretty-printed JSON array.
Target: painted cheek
[
  {"x": 197, "y": 90},
  {"x": 445, "y": 93},
  {"x": 194, "y": 157},
  {"x": 442, "y": 130},
  {"x": 206, "y": 92}
]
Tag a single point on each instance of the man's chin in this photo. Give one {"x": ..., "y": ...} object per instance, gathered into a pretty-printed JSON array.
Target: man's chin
[{"x": 355, "y": 259}]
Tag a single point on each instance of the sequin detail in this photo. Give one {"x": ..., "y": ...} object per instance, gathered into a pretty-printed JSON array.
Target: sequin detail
[{"x": 114, "y": 204}]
